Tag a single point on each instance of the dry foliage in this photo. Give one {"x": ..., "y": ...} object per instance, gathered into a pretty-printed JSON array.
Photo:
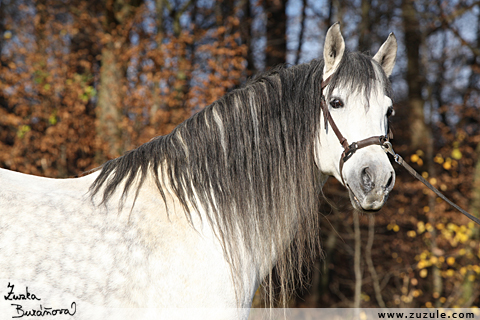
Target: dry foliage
[{"x": 61, "y": 60}]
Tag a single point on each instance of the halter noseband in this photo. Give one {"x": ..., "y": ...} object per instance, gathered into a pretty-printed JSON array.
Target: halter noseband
[{"x": 348, "y": 149}]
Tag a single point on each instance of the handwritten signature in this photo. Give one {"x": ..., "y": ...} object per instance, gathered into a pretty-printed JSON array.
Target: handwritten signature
[
  {"x": 41, "y": 311},
  {"x": 12, "y": 296}
]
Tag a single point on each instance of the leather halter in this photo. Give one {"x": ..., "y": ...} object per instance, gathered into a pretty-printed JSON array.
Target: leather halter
[
  {"x": 348, "y": 149},
  {"x": 384, "y": 141}
]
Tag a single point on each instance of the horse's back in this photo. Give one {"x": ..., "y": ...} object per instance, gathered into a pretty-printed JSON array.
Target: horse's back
[
  {"x": 49, "y": 233},
  {"x": 54, "y": 238}
]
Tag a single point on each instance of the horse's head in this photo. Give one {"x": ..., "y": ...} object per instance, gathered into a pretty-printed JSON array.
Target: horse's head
[{"x": 357, "y": 101}]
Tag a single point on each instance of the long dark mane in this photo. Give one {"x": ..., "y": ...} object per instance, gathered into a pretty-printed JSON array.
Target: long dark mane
[{"x": 248, "y": 161}]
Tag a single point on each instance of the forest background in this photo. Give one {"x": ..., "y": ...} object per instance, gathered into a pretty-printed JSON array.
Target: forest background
[{"x": 83, "y": 81}]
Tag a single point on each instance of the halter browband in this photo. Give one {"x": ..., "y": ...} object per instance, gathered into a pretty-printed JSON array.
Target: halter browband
[{"x": 348, "y": 149}]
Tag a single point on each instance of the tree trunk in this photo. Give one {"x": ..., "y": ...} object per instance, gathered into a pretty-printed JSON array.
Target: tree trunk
[
  {"x": 276, "y": 51},
  {"x": 468, "y": 288},
  {"x": 157, "y": 99},
  {"x": 364, "y": 40},
  {"x": 357, "y": 258},
  {"x": 246, "y": 35},
  {"x": 421, "y": 134},
  {"x": 475, "y": 202},
  {"x": 302, "y": 31},
  {"x": 109, "y": 109},
  {"x": 419, "y": 131},
  {"x": 110, "y": 103}
]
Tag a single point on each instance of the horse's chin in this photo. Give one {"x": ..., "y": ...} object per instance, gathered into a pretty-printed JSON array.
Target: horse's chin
[{"x": 364, "y": 204}]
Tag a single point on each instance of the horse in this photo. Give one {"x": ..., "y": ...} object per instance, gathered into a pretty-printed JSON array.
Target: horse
[{"x": 191, "y": 223}]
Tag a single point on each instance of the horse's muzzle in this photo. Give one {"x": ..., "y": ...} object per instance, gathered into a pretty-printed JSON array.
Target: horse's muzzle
[{"x": 370, "y": 187}]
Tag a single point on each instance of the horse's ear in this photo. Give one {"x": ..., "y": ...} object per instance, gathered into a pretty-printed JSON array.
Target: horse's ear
[
  {"x": 333, "y": 50},
  {"x": 387, "y": 54}
]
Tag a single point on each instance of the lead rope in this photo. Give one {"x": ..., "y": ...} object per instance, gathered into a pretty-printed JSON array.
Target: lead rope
[{"x": 387, "y": 146}]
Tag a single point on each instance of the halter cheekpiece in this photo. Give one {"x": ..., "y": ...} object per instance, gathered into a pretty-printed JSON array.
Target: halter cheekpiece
[{"x": 348, "y": 149}]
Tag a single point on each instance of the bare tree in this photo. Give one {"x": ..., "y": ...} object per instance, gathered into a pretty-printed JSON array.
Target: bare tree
[
  {"x": 109, "y": 108},
  {"x": 276, "y": 51}
]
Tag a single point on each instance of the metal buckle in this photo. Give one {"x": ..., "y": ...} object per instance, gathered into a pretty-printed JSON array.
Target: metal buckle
[{"x": 351, "y": 150}]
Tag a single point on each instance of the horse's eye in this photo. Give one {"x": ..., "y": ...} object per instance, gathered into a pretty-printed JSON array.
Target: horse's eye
[
  {"x": 390, "y": 112},
  {"x": 336, "y": 103}
]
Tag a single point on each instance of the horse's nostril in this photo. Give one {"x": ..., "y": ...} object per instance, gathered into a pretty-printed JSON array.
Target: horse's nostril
[
  {"x": 367, "y": 181},
  {"x": 389, "y": 183}
]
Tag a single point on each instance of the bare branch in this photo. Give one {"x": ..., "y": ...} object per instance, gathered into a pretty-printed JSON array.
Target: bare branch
[
  {"x": 302, "y": 31},
  {"x": 368, "y": 258},
  {"x": 357, "y": 260}
]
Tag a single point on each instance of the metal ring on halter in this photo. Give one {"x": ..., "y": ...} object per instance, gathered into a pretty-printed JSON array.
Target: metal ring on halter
[{"x": 388, "y": 148}]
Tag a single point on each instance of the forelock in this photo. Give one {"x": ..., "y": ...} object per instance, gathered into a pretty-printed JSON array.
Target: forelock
[{"x": 359, "y": 74}]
